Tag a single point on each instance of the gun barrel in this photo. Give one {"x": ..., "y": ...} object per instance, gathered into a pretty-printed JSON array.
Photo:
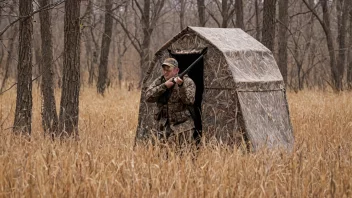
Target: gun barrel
[{"x": 190, "y": 67}]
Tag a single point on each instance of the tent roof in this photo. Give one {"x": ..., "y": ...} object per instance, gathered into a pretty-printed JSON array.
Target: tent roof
[
  {"x": 230, "y": 39},
  {"x": 225, "y": 39},
  {"x": 248, "y": 60}
]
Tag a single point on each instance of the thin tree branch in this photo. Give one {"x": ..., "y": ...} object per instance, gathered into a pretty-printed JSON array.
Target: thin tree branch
[
  {"x": 138, "y": 6},
  {"x": 17, "y": 83},
  {"x": 213, "y": 17},
  {"x": 47, "y": 7},
  {"x": 316, "y": 15},
  {"x": 132, "y": 38},
  {"x": 32, "y": 79}
]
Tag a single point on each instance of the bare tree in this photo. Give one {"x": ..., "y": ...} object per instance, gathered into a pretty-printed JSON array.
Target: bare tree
[
  {"x": 23, "y": 113},
  {"x": 49, "y": 114},
  {"x": 239, "y": 14},
  {"x": 342, "y": 16},
  {"x": 283, "y": 26},
  {"x": 182, "y": 10},
  {"x": 227, "y": 9},
  {"x": 36, "y": 70},
  {"x": 89, "y": 56},
  {"x": 330, "y": 44},
  {"x": 302, "y": 43},
  {"x": 325, "y": 23},
  {"x": 148, "y": 25},
  {"x": 10, "y": 49},
  {"x": 309, "y": 58},
  {"x": 349, "y": 62},
  {"x": 313, "y": 55},
  {"x": 268, "y": 34},
  {"x": 201, "y": 12},
  {"x": 9, "y": 58},
  {"x": 69, "y": 106},
  {"x": 1, "y": 49},
  {"x": 87, "y": 32},
  {"x": 257, "y": 21},
  {"x": 105, "y": 48},
  {"x": 149, "y": 14},
  {"x": 122, "y": 48}
]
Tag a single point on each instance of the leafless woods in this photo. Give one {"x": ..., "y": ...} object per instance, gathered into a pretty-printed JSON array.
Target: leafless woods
[{"x": 70, "y": 44}]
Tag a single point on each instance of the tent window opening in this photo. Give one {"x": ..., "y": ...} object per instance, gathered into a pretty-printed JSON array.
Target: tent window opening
[{"x": 196, "y": 74}]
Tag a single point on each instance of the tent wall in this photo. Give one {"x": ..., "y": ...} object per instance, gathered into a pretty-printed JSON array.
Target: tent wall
[
  {"x": 222, "y": 119},
  {"x": 266, "y": 117}
]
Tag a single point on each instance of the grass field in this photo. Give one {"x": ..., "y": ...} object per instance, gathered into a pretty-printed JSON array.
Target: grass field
[{"x": 104, "y": 164}]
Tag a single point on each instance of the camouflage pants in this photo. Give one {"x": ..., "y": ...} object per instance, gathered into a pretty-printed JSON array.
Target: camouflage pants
[{"x": 179, "y": 140}]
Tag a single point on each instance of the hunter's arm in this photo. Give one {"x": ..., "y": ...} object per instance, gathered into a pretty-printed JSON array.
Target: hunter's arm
[
  {"x": 188, "y": 91},
  {"x": 155, "y": 90}
]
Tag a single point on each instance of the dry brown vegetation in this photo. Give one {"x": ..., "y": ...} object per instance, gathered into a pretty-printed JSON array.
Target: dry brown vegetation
[{"x": 104, "y": 164}]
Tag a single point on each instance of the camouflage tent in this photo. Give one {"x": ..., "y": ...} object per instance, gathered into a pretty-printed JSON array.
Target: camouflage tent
[{"x": 240, "y": 90}]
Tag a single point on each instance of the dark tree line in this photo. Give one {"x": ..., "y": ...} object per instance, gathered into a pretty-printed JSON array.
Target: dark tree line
[{"x": 67, "y": 123}]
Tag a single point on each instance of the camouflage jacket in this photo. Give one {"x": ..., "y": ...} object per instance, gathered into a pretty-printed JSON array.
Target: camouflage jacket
[{"x": 173, "y": 103}]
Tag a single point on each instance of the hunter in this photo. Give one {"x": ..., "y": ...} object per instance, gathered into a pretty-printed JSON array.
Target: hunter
[{"x": 173, "y": 97}]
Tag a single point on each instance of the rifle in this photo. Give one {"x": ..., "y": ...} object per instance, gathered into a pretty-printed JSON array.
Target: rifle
[{"x": 203, "y": 52}]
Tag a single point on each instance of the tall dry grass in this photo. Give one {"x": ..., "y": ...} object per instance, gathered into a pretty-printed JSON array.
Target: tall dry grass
[{"x": 104, "y": 164}]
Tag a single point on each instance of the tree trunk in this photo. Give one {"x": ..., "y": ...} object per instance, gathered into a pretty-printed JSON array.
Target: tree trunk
[
  {"x": 342, "y": 31},
  {"x": 330, "y": 45},
  {"x": 349, "y": 58},
  {"x": 148, "y": 25},
  {"x": 201, "y": 12},
  {"x": 349, "y": 62},
  {"x": 227, "y": 12},
  {"x": 312, "y": 51},
  {"x": 257, "y": 23},
  {"x": 36, "y": 70},
  {"x": 89, "y": 57},
  {"x": 283, "y": 17},
  {"x": 49, "y": 114},
  {"x": 119, "y": 70},
  {"x": 268, "y": 37},
  {"x": 92, "y": 68},
  {"x": 224, "y": 13},
  {"x": 9, "y": 57},
  {"x": 105, "y": 48},
  {"x": 239, "y": 14},
  {"x": 121, "y": 50},
  {"x": 95, "y": 57},
  {"x": 147, "y": 31},
  {"x": 88, "y": 41},
  {"x": 145, "y": 55},
  {"x": 1, "y": 49},
  {"x": 69, "y": 106},
  {"x": 299, "y": 64},
  {"x": 182, "y": 13},
  {"x": 23, "y": 113}
]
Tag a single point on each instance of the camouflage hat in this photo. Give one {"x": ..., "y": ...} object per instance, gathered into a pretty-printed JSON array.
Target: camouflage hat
[{"x": 171, "y": 62}]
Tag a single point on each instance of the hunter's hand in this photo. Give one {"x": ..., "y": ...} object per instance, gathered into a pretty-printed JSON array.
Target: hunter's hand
[
  {"x": 178, "y": 80},
  {"x": 169, "y": 83}
]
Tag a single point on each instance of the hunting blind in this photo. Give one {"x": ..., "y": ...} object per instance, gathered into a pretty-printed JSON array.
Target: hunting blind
[{"x": 240, "y": 93}]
